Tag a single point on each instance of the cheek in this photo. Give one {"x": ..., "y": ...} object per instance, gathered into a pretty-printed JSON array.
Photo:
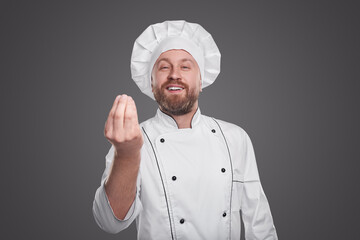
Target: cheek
[
  {"x": 156, "y": 80},
  {"x": 197, "y": 80},
  {"x": 160, "y": 78}
]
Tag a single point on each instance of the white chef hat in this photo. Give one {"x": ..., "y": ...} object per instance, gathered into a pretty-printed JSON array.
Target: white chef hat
[{"x": 161, "y": 37}]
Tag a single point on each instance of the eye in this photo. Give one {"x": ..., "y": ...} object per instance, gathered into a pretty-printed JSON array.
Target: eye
[
  {"x": 185, "y": 67},
  {"x": 163, "y": 67}
]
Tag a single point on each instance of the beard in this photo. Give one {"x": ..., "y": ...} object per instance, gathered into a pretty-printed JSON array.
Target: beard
[{"x": 175, "y": 104}]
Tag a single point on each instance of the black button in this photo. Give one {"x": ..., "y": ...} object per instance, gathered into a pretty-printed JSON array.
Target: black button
[
  {"x": 223, "y": 170},
  {"x": 224, "y": 214},
  {"x": 173, "y": 178},
  {"x": 182, "y": 221},
  {"x": 162, "y": 140},
  {"x": 213, "y": 130}
]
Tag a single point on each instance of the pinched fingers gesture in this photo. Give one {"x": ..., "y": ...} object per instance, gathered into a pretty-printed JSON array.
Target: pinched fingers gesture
[{"x": 122, "y": 127}]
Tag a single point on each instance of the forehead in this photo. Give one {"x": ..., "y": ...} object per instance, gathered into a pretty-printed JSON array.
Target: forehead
[{"x": 175, "y": 55}]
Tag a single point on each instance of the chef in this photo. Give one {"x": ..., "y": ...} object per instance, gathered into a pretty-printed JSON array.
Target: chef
[{"x": 180, "y": 174}]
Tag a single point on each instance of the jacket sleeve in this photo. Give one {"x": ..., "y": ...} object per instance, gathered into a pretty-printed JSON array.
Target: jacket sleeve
[
  {"x": 102, "y": 211},
  {"x": 255, "y": 209}
]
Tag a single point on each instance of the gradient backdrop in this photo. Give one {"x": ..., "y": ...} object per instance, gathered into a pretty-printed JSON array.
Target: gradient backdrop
[{"x": 290, "y": 78}]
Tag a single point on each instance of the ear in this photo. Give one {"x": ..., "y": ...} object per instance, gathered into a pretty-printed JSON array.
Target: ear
[
  {"x": 200, "y": 84},
  {"x": 152, "y": 84}
]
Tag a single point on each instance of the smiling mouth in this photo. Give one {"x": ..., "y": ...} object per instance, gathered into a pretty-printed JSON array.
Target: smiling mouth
[{"x": 174, "y": 89}]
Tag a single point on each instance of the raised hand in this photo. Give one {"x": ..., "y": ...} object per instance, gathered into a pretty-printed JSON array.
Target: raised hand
[
  {"x": 123, "y": 132},
  {"x": 122, "y": 128}
]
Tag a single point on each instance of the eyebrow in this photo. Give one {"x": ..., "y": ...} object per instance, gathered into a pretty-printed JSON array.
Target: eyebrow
[{"x": 168, "y": 60}]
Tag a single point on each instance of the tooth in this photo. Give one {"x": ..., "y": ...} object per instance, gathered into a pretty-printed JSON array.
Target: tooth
[{"x": 175, "y": 88}]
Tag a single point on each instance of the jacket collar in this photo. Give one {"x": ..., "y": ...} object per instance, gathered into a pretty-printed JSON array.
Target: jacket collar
[{"x": 168, "y": 121}]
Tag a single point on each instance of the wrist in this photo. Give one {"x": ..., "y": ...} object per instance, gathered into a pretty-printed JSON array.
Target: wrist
[{"x": 127, "y": 156}]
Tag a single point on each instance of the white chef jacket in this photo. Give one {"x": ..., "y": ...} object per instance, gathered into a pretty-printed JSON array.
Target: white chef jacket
[{"x": 192, "y": 184}]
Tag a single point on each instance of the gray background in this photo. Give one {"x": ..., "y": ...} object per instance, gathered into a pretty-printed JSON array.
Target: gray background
[{"x": 290, "y": 78}]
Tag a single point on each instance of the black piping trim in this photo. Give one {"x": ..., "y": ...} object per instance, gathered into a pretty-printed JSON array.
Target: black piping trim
[
  {"x": 246, "y": 181},
  {"x": 162, "y": 181},
  {"x": 238, "y": 181},
  {"x": 193, "y": 116},
  {"x": 232, "y": 172},
  {"x": 170, "y": 116}
]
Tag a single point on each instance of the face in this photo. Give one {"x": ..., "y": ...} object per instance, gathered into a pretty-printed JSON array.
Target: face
[{"x": 176, "y": 82}]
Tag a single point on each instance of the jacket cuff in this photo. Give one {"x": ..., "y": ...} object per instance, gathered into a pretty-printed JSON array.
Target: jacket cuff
[
  {"x": 104, "y": 214},
  {"x": 128, "y": 214}
]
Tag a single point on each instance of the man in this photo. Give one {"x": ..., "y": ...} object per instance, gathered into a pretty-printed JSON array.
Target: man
[{"x": 181, "y": 175}]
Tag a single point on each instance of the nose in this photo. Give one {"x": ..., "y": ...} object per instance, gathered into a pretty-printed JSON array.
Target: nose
[{"x": 174, "y": 74}]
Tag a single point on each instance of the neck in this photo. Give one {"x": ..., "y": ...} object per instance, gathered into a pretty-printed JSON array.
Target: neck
[{"x": 184, "y": 121}]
